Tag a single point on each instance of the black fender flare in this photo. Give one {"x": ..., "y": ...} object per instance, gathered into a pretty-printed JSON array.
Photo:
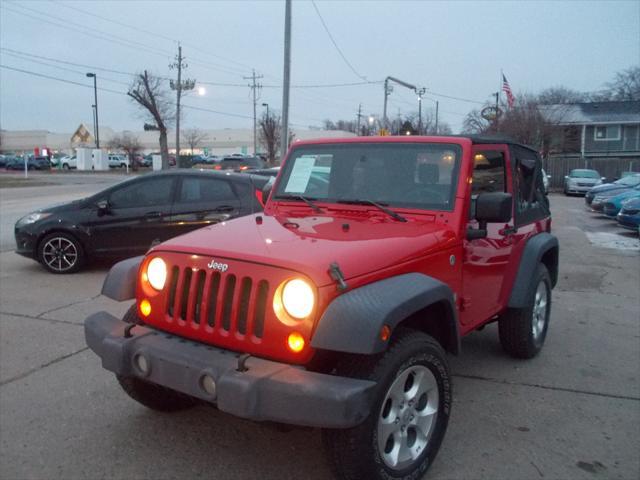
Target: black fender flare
[
  {"x": 120, "y": 283},
  {"x": 353, "y": 321},
  {"x": 534, "y": 250}
]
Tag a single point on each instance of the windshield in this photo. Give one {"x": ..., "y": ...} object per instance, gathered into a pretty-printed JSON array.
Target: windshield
[
  {"x": 584, "y": 174},
  {"x": 629, "y": 181},
  {"x": 408, "y": 175}
]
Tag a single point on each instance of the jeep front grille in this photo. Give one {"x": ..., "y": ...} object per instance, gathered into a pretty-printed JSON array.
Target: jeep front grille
[{"x": 226, "y": 303}]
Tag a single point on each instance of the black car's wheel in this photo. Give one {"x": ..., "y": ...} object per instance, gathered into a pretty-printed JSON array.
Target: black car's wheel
[
  {"x": 61, "y": 253},
  {"x": 522, "y": 331},
  {"x": 409, "y": 415},
  {"x": 155, "y": 397}
]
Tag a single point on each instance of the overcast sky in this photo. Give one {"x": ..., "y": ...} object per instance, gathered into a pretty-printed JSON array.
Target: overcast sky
[{"x": 452, "y": 48}]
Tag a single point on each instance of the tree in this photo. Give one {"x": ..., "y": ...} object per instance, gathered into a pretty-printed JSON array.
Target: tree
[
  {"x": 560, "y": 95},
  {"x": 128, "y": 143},
  {"x": 269, "y": 135},
  {"x": 474, "y": 122},
  {"x": 625, "y": 86},
  {"x": 194, "y": 138},
  {"x": 148, "y": 91}
]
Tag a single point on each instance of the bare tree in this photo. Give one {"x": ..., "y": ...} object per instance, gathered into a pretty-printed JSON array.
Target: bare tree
[
  {"x": 128, "y": 143},
  {"x": 194, "y": 138},
  {"x": 269, "y": 135},
  {"x": 474, "y": 122},
  {"x": 625, "y": 86},
  {"x": 560, "y": 95},
  {"x": 150, "y": 93}
]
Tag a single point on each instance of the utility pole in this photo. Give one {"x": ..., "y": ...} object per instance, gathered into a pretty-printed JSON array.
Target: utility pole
[
  {"x": 284, "y": 146},
  {"x": 359, "y": 115},
  {"x": 254, "y": 87},
  {"x": 95, "y": 98},
  {"x": 420, "y": 92},
  {"x": 437, "y": 103},
  {"x": 388, "y": 89},
  {"x": 179, "y": 86},
  {"x": 497, "y": 108}
]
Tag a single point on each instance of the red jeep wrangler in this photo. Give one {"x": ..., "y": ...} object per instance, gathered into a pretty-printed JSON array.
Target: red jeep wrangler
[{"x": 334, "y": 308}]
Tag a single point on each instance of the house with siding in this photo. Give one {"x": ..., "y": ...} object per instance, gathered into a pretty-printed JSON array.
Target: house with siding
[{"x": 597, "y": 129}]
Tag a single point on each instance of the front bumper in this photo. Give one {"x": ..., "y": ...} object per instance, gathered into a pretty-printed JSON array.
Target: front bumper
[
  {"x": 266, "y": 391},
  {"x": 631, "y": 222},
  {"x": 26, "y": 242},
  {"x": 578, "y": 188}
]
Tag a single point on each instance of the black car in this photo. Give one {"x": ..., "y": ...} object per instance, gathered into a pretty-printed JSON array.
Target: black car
[
  {"x": 240, "y": 164},
  {"x": 126, "y": 219}
]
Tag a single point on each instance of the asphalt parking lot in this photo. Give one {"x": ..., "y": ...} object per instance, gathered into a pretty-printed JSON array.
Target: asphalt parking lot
[{"x": 571, "y": 413}]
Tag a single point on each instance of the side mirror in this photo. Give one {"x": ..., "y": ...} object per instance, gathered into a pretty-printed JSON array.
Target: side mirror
[
  {"x": 103, "y": 207},
  {"x": 266, "y": 191},
  {"x": 494, "y": 207}
]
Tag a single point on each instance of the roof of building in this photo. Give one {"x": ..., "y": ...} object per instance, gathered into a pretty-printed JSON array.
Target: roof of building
[{"x": 593, "y": 113}]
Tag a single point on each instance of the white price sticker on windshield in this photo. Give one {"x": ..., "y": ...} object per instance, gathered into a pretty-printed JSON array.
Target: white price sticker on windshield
[{"x": 300, "y": 174}]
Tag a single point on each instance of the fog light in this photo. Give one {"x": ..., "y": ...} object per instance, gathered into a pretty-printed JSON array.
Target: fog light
[
  {"x": 142, "y": 364},
  {"x": 295, "y": 342},
  {"x": 208, "y": 384},
  {"x": 145, "y": 308}
]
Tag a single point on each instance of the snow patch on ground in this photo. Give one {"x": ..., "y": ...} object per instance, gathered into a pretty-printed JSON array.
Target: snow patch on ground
[{"x": 613, "y": 240}]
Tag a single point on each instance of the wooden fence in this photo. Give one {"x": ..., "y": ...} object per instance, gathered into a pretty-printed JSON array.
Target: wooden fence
[{"x": 611, "y": 168}]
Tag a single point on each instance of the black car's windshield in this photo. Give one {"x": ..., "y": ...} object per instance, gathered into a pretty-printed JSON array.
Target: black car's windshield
[
  {"x": 412, "y": 175},
  {"x": 584, "y": 174},
  {"x": 629, "y": 181}
]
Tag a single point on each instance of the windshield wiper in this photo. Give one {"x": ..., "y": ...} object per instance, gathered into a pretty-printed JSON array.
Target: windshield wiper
[
  {"x": 391, "y": 213},
  {"x": 307, "y": 200}
]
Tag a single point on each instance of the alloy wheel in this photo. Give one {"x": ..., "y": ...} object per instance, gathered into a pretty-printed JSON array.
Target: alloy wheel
[
  {"x": 60, "y": 254},
  {"x": 539, "y": 310}
]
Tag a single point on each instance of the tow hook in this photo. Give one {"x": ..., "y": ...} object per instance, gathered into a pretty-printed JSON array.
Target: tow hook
[{"x": 128, "y": 328}]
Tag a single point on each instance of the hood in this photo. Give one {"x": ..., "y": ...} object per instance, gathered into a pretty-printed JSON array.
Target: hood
[
  {"x": 62, "y": 207},
  {"x": 591, "y": 181},
  {"x": 609, "y": 187},
  {"x": 309, "y": 244},
  {"x": 612, "y": 192}
]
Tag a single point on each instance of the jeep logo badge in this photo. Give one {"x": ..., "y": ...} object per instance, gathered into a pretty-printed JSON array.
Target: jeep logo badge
[{"x": 221, "y": 267}]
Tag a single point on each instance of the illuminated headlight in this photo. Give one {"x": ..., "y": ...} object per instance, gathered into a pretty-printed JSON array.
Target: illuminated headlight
[
  {"x": 157, "y": 273},
  {"x": 32, "y": 218},
  {"x": 298, "y": 298}
]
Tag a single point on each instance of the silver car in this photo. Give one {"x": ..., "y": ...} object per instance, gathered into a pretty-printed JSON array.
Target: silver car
[{"x": 581, "y": 180}]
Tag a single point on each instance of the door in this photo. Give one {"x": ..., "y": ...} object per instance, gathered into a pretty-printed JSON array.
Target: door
[
  {"x": 486, "y": 259},
  {"x": 137, "y": 214},
  {"x": 203, "y": 201}
]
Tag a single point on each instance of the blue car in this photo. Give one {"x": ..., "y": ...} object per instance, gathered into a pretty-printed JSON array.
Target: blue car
[
  {"x": 629, "y": 215},
  {"x": 610, "y": 189},
  {"x": 613, "y": 205}
]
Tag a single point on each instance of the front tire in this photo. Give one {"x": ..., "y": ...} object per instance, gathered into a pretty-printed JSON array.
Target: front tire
[
  {"x": 409, "y": 414},
  {"x": 523, "y": 331},
  {"x": 61, "y": 253},
  {"x": 65, "y": 166}
]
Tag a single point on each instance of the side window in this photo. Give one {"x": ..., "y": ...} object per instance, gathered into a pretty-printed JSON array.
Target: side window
[
  {"x": 198, "y": 190},
  {"x": 530, "y": 199},
  {"x": 489, "y": 173},
  {"x": 142, "y": 193}
]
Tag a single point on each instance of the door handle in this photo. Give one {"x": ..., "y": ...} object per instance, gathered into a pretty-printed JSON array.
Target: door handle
[{"x": 153, "y": 215}]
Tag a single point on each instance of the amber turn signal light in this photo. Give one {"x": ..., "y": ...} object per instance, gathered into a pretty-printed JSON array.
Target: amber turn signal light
[
  {"x": 295, "y": 342},
  {"x": 145, "y": 308}
]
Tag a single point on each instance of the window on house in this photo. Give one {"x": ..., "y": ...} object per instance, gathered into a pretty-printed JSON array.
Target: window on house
[{"x": 606, "y": 132}]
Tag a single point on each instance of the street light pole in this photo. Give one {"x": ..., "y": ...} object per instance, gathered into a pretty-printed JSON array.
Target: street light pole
[
  {"x": 95, "y": 97},
  {"x": 284, "y": 145}
]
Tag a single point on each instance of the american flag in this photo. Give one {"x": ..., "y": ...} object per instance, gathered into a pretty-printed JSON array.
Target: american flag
[{"x": 507, "y": 90}]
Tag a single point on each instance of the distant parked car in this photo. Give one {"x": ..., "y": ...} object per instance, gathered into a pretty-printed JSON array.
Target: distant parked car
[
  {"x": 69, "y": 162},
  {"x": 239, "y": 163},
  {"x": 611, "y": 189},
  {"x": 33, "y": 163},
  {"x": 267, "y": 172},
  {"x": 629, "y": 215},
  {"x": 118, "y": 161},
  {"x": 13, "y": 163},
  {"x": 581, "y": 181},
  {"x": 612, "y": 206},
  {"x": 124, "y": 220}
]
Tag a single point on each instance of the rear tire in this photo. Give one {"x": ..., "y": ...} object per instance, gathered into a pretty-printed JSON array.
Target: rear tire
[
  {"x": 523, "y": 331},
  {"x": 411, "y": 408}
]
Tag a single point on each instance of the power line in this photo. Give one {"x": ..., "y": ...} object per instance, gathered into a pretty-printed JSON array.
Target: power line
[
  {"x": 148, "y": 32},
  {"x": 334, "y": 42}
]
